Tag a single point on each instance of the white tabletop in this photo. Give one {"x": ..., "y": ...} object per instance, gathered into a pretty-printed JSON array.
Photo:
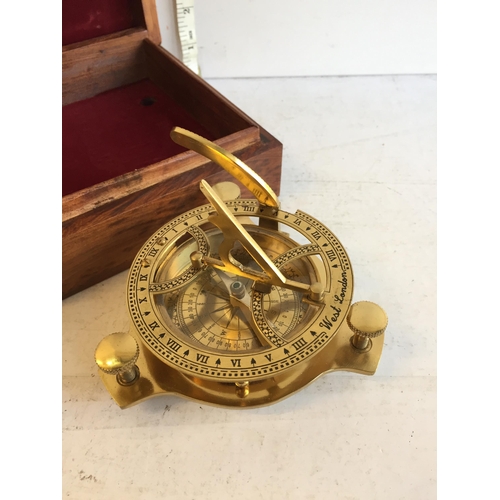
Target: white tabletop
[{"x": 360, "y": 156}]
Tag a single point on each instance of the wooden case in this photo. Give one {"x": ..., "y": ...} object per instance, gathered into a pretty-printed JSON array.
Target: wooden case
[{"x": 123, "y": 177}]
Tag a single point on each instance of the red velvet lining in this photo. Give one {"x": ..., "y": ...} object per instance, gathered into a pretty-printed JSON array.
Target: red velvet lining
[
  {"x": 86, "y": 19},
  {"x": 119, "y": 131}
]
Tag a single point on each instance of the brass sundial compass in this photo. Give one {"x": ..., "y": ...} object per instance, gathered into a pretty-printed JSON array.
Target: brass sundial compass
[{"x": 238, "y": 303}]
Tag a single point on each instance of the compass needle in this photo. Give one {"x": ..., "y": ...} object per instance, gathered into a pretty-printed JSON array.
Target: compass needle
[
  {"x": 233, "y": 313},
  {"x": 225, "y": 306}
]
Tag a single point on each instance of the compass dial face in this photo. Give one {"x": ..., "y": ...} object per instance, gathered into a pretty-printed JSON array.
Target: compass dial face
[
  {"x": 202, "y": 309},
  {"x": 187, "y": 317}
]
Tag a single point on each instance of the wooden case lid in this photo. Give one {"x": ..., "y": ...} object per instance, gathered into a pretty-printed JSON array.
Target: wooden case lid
[{"x": 89, "y": 21}]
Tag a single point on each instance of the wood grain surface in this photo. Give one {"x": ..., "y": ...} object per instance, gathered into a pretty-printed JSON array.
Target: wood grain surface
[{"x": 102, "y": 242}]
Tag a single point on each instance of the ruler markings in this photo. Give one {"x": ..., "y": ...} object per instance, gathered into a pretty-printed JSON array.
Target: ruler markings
[{"x": 187, "y": 34}]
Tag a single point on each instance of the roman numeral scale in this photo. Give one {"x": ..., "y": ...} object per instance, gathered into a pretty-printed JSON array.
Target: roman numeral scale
[{"x": 227, "y": 308}]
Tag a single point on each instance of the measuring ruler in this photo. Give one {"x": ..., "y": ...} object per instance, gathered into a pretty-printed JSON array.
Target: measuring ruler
[{"x": 187, "y": 34}]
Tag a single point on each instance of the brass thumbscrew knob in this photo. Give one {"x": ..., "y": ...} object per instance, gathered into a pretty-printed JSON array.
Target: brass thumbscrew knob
[
  {"x": 367, "y": 320},
  {"x": 116, "y": 354}
]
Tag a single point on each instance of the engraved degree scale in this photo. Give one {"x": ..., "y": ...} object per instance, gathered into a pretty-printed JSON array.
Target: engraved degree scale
[{"x": 238, "y": 303}]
